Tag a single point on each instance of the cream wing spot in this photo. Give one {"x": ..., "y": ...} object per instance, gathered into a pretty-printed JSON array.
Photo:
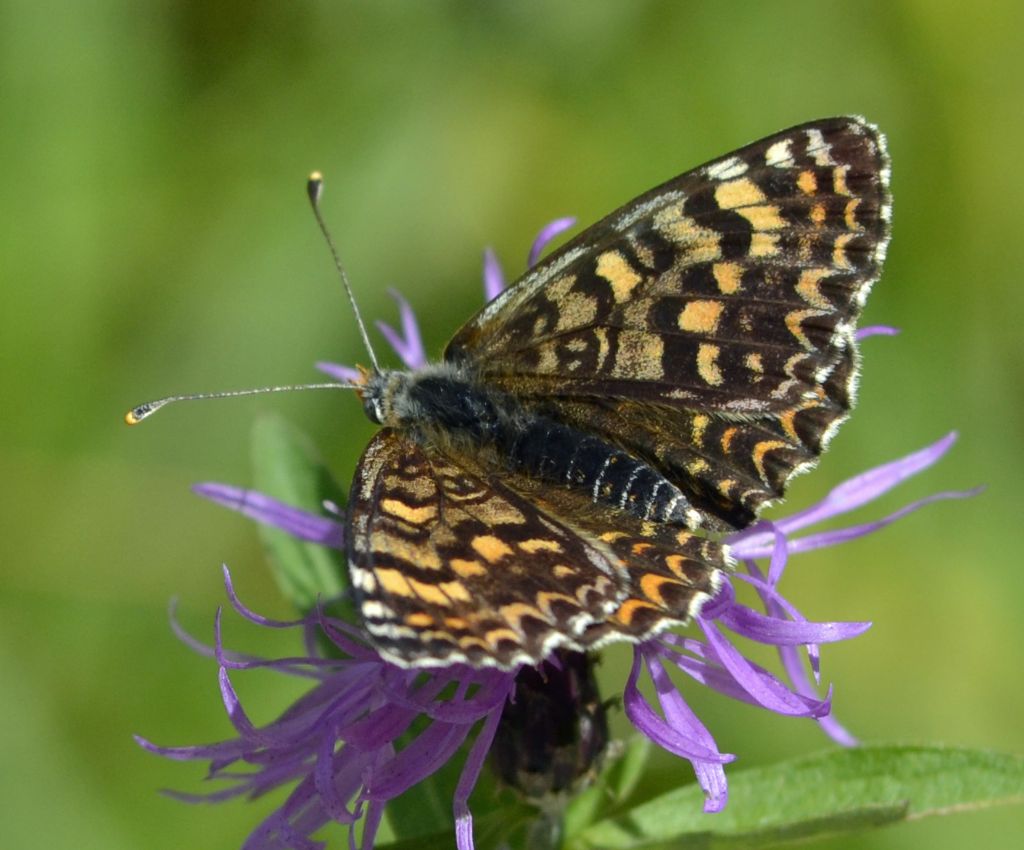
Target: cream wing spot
[
  {"x": 707, "y": 364},
  {"x": 621, "y": 276}
]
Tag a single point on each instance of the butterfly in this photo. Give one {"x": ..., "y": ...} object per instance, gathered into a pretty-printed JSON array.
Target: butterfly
[{"x": 564, "y": 476}]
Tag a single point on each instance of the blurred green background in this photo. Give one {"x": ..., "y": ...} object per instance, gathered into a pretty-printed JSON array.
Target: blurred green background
[{"x": 156, "y": 239}]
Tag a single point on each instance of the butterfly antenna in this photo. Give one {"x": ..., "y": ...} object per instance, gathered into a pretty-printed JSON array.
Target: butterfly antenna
[
  {"x": 315, "y": 188},
  {"x": 143, "y": 411}
]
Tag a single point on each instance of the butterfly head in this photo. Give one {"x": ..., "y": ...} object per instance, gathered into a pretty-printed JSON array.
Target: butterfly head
[{"x": 382, "y": 393}]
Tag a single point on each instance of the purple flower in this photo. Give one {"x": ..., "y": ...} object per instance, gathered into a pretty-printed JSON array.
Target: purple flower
[{"x": 350, "y": 745}]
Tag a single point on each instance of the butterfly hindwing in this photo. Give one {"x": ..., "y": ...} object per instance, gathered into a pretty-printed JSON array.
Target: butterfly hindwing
[{"x": 450, "y": 564}]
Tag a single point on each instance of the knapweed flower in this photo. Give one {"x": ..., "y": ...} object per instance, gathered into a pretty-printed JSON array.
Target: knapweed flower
[{"x": 367, "y": 730}]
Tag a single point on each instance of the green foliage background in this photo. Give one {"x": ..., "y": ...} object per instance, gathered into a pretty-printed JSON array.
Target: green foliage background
[{"x": 156, "y": 239}]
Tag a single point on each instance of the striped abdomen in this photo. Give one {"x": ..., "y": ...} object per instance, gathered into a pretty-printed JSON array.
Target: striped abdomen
[
  {"x": 552, "y": 451},
  {"x": 544, "y": 448}
]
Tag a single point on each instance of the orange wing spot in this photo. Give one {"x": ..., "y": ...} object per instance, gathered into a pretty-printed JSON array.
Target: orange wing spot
[
  {"x": 839, "y": 250},
  {"x": 540, "y": 544},
  {"x": 760, "y": 452},
  {"x": 807, "y": 182},
  {"x": 547, "y": 597},
  {"x": 727, "y": 276},
  {"x": 739, "y": 193},
  {"x": 394, "y": 582},
  {"x": 850, "y": 214},
  {"x": 455, "y": 590},
  {"x": 612, "y": 536},
  {"x": 419, "y": 620},
  {"x": 410, "y": 513},
  {"x": 431, "y": 593},
  {"x": 677, "y": 563},
  {"x": 515, "y": 611},
  {"x": 563, "y": 571},
  {"x": 652, "y": 584},
  {"x": 788, "y": 422},
  {"x": 640, "y": 548},
  {"x": 491, "y": 548},
  {"x": 701, "y": 317},
  {"x": 468, "y": 641},
  {"x": 467, "y": 569},
  {"x": 727, "y": 437},
  {"x": 839, "y": 180},
  {"x": 456, "y": 623},
  {"x": 726, "y": 486},
  {"x": 818, "y": 214},
  {"x": 495, "y": 635},
  {"x": 764, "y": 217},
  {"x": 754, "y": 363},
  {"x": 683, "y": 538},
  {"x": 629, "y": 609}
]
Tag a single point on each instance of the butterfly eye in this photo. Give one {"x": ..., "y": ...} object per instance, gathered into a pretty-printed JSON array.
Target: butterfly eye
[{"x": 374, "y": 408}]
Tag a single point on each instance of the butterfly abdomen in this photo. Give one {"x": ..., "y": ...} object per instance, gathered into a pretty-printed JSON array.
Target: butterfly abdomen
[
  {"x": 448, "y": 407},
  {"x": 555, "y": 452}
]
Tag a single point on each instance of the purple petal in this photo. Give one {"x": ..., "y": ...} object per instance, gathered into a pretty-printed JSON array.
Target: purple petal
[
  {"x": 467, "y": 781},
  {"x": 236, "y": 714},
  {"x": 875, "y": 330},
  {"x": 836, "y": 731},
  {"x": 250, "y": 615},
  {"x": 371, "y": 823},
  {"x": 547, "y": 233},
  {"x": 345, "y": 374},
  {"x": 773, "y": 630},
  {"x": 424, "y": 755},
  {"x": 494, "y": 277},
  {"x": 776, "y": 605},
  {"x": 493, "y": 689},
  {"x": 842, "y": 535},
  {"x": 408, "y": 344},
  {"x": 710, "y": 774},
  {"x": 294, "y": 521},
  {"x": 645, "y": 719},
  {"x": 768, "y": 691},
  {"x": 756, "y": 542},
  {"x": 713, "y": 675}
]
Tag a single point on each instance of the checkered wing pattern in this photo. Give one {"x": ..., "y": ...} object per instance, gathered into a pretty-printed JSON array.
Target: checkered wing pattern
[
  {"x": 452, "y": 565},
  {"x": 695, "y": 348},
  {"x": 708, "y": 326}
]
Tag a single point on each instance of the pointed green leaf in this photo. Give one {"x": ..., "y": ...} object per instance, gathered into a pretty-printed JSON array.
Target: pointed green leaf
[
  {"x": 287, "y": 467},
  {"x": 841, "y": 791}
]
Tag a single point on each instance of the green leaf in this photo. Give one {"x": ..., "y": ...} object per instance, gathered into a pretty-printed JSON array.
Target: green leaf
[
  {"x": 838, "y": 792},
  {"x": 287, "y": 467},
  {"x": 615, "y": 784},
  {"x": 505, "y": 827}
]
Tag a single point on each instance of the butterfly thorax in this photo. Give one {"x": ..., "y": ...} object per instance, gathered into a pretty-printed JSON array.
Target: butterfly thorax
[{"x": 447, "y": 406}]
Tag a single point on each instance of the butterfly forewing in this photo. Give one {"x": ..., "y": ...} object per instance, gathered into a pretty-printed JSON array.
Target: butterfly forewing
[
  {"x": 700, "y": 339},
  {"x": 728, "y": 295}
]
